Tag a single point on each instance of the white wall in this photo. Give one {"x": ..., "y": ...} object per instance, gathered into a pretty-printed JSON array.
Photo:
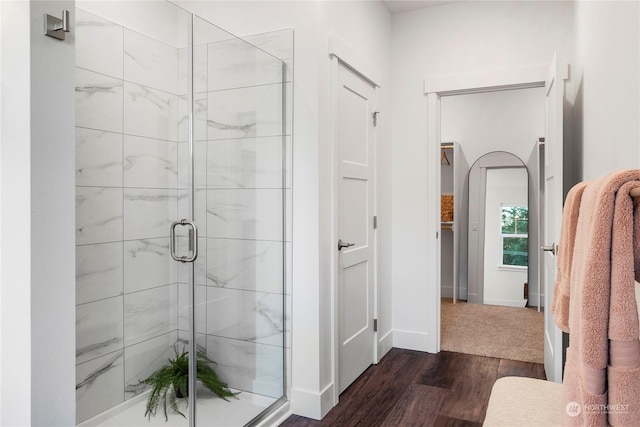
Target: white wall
[
  {"x": 15, "y": 228},
  {"x": 456, "y": 38},
  {"x": 1, "y": 193},
  {"x": 508, "y": 121},
  {"x": 52, "y": 222},
  {"x": 502, "y": 285},
  {"x": 604, "y": 87},
  {"x": 365, "y": 27},
  {"x": 38, "y": 200}
]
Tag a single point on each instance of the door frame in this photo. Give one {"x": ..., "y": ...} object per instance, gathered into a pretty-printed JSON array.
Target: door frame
[
  {"x": 554, "y": 349},
  {"x": 435, "y": 87},
  {"x": 342, "y": 55}
]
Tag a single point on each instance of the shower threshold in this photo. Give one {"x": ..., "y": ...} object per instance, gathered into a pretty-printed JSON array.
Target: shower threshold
[{"x": 210, "y": 412}]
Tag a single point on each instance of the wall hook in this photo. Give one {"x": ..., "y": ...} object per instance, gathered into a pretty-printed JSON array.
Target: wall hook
[
  {"x": 444, "y": 160},
  {"x": 56, "y": 27}
]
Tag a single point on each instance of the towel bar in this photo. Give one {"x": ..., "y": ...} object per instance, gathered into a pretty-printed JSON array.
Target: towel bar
[{"x": 635, "y": 192}]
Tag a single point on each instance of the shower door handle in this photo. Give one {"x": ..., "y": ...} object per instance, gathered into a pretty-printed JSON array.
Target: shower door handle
[{"x": 193, "y": 240}]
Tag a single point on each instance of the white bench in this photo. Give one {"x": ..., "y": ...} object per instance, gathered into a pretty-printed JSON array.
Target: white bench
[{"x": 518, "y": 401}]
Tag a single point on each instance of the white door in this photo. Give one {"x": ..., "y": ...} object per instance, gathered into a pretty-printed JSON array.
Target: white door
[
  {"x": 553, "y": 200},
  {"x": 355, "y": 160}
]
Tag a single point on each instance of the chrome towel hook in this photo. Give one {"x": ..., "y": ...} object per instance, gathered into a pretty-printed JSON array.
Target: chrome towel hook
[{"x": 56, "y": 27}]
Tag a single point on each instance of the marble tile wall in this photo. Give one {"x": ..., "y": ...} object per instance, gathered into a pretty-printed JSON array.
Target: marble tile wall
[
  {"x": 131, "y": 182},
  {"x": 127, "y": 192}
]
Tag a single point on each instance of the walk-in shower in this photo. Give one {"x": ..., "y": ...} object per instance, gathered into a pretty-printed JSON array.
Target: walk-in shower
[{"x": 178, "y": 119}]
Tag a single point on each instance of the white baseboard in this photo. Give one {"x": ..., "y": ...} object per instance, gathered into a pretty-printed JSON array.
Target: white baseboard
[
  {"x": 505, "y": 302},
  {"x": 446, "y": 292},
  {"x": 411, "y": 340},
  {"x": 311, "y": 404},
  {"x": 385, "y": 344}
]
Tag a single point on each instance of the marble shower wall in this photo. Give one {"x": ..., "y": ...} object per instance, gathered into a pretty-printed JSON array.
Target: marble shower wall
[
  {"x": 132, "y": 163},
  {"x": 127, "y": 192}
]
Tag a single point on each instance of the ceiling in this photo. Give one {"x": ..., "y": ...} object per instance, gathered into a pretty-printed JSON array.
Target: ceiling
[{"x": 399, "y": 6}]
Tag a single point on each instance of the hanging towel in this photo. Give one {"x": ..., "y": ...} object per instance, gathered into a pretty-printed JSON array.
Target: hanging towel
[
  {"x": 560, "y": 303},
  {"x": 602, "y": 373}
]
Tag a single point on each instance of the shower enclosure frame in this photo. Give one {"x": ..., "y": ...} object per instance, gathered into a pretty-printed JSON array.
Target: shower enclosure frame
[{"x": 193, "y": 209}]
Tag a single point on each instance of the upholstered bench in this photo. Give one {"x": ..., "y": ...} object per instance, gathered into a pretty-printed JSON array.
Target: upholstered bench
[{"x": 518, "y": 401}]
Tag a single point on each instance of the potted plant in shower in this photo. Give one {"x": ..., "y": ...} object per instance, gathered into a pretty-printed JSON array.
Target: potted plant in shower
[{"x": 170, "y": 383}]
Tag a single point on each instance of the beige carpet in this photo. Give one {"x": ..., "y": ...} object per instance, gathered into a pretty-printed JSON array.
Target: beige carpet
[{"x": 491, "y": 330}]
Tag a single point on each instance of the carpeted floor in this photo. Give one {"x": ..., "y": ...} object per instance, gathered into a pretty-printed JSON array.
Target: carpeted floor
[{"x": 495, "y": 331}]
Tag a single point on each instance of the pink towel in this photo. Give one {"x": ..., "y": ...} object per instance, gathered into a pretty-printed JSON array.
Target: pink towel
[
  {"x": 602, "y": 371},
  {"x": 560, "y": 304}
]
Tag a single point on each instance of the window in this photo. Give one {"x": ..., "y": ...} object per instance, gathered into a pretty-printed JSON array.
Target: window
[{"x": 515, "y": 236}]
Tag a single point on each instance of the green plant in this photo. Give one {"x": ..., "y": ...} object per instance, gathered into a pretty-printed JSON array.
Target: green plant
[{"x": 170, "y": 383}]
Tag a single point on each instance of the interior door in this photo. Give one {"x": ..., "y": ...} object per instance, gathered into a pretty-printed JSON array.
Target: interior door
[
  {"x": 354, "y": 148},
  {"x": 553, "y": 200}
]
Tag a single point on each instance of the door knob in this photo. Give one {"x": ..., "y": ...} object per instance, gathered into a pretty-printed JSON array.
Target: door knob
[
  {"x": 341, "y": 244},
  {"x": 553, "y": 248}
]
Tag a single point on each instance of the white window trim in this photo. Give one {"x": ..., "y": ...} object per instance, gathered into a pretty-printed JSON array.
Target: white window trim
[{"x": 503, "y": 266}]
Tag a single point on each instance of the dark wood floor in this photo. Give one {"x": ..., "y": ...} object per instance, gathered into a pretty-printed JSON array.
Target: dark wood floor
[{"x": 411, "y": 388}]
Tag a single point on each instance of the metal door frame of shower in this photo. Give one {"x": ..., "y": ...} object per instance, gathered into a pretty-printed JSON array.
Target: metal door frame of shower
[{"x": 192, "y": 278}]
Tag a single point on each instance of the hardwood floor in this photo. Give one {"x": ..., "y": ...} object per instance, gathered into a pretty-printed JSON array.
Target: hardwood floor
[{"x": 411, "y": 388}]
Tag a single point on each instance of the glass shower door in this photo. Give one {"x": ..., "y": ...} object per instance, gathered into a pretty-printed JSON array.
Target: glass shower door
[{"x": 238, "y": 201}]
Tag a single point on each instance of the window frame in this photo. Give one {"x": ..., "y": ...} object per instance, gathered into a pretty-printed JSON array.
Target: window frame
[{"x": 502, "y": 265}]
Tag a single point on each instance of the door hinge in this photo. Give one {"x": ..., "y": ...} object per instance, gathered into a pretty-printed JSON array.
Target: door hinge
[
  {"x": 375, "y": 222},
  {"x": 375, "y": 325},
  {"x": 375, "y": 118}
]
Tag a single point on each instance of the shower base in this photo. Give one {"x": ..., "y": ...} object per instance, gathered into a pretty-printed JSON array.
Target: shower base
[{"x": 210, "y": 412}]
